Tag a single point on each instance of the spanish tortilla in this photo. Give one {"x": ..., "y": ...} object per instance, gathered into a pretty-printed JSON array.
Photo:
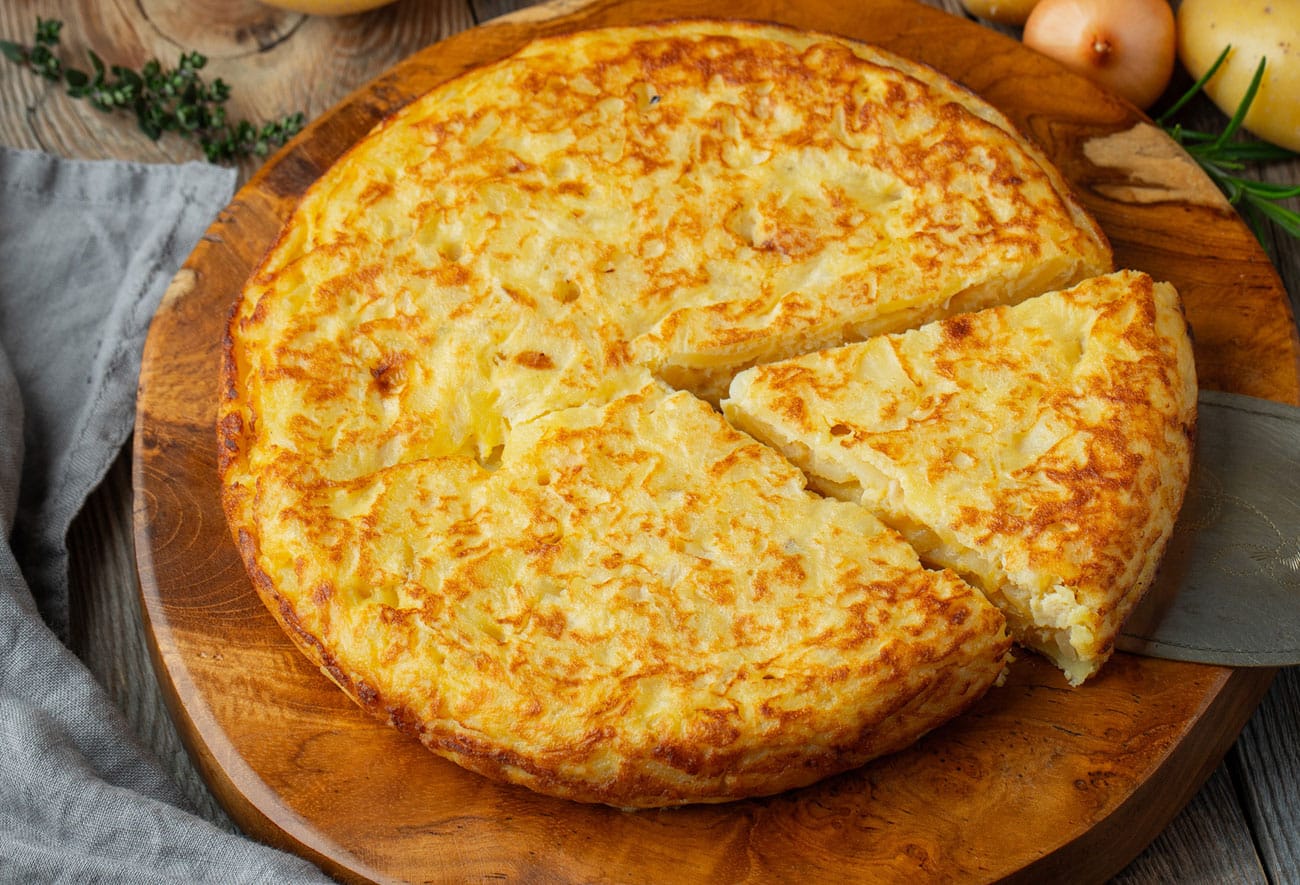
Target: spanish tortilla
[{"x": 477, "y": 267}]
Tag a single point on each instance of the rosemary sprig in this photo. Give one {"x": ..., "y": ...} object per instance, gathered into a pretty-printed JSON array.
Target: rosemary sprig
[
  {"x": 163, "y": 99},
  {"x": 1222, "y": 157}
]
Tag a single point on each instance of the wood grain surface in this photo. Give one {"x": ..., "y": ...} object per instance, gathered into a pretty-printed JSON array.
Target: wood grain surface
[{"x": 1248, "y": 802}]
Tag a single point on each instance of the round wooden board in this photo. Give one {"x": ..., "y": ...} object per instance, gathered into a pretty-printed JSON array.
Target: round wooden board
[{"x": 1039, "y": 780}]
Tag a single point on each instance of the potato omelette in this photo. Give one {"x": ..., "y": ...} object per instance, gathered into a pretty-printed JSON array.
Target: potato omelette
[{"x": 468, "y": 436}]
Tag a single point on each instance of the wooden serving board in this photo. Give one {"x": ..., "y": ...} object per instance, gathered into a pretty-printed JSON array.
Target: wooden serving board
[{"x": 1039, "y": 780}]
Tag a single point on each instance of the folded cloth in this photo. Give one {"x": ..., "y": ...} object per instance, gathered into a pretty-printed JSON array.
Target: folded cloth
[{"x": 86, "y": 251}]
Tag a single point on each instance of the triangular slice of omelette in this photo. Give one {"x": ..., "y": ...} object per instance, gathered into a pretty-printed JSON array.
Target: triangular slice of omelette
[{"x": 1040, "y": 450}]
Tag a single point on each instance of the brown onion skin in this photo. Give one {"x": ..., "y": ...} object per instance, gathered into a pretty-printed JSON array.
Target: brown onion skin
[{"x": 1126, "y": 46}]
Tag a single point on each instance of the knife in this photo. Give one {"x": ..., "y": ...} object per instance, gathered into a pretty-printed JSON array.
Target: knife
[{"x": 1228, "y": 589}]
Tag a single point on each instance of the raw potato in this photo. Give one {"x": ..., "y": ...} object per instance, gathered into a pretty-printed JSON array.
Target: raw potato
[
  {"x": 1004, "y": 12},
  {"x": 1255, "y": 29}
]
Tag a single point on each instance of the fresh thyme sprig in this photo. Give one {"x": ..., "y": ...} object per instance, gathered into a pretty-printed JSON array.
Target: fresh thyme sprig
[
  {"x": 163, "y": 99},
  {"x": 1222, "y": 157}
]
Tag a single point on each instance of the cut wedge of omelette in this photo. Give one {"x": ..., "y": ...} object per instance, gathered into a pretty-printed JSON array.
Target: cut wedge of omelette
[
  {"x": 465, "y": 442},
  {"x": 1040, "y": 450}
]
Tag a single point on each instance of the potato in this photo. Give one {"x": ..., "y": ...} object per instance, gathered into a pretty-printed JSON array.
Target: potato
[
  {"x": 1004, "y": 12},
  {"x": 1254, "y": 28}
]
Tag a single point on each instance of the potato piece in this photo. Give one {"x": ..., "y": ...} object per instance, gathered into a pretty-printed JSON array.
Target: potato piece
[{"x": 1254, "y": 29}]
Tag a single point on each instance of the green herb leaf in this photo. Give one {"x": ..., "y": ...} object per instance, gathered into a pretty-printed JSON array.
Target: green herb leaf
[
  {"x": 14, "y": 52},
  {"x": 1286, "y": 219},
  {"x": 1244, "y": 107},
  {"x": 1222, "y": 155},
  {"x": 1269, "y": 191},
  {"x": 1196, "y": 87},
  {"x": 162, "y": 99},
  {"x": 47, "y": 32}
]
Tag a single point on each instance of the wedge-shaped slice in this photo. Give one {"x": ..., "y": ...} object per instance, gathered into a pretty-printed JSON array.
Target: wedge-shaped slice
[
  {"x": 640, "y": 606},
  {"x": 1042, "y": 450}
]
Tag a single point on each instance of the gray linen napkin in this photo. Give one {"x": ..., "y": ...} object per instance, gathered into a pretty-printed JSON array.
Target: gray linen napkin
[{"x": 86, "y": 250}]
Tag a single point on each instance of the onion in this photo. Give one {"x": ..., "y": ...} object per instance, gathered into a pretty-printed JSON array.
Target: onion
[{"x": 1127, "y": 46}]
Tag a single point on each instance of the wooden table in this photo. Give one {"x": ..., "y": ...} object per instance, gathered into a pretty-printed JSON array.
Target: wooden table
[{"x": 1244, "y": 824}]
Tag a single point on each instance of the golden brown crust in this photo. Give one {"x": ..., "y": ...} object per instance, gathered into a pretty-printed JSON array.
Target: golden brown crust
[{"x": 464, "y": 316}]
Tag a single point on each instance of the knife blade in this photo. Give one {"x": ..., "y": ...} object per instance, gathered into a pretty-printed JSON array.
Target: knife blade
[{"x": 1228, "y": 589}]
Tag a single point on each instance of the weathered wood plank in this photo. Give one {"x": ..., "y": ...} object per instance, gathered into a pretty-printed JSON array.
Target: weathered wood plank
[
  {"x": 1285, "y": 250},
  {"x": 490, "y": 9},
  {"x": 1209, "y": 841},
  {"x": 1266, "y": 761}
]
